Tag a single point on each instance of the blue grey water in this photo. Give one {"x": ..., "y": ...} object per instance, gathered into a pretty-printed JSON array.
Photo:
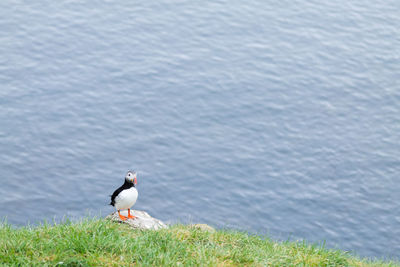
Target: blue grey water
[{"x": 274, "y": 117}]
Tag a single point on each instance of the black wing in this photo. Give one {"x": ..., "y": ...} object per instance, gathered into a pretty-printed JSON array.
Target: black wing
[{"x": 115, "y": 194}]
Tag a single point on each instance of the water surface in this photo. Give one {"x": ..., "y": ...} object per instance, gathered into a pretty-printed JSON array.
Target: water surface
[{"x": 274, "y": 117}]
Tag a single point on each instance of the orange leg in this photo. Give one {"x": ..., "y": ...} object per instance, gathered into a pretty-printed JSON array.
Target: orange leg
[
  {"x": 121, "y": 216},
  {"x": 129, "y": 215}
]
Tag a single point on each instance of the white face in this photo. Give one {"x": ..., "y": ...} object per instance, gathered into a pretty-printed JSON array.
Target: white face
[{"x": 131, "y": 177}]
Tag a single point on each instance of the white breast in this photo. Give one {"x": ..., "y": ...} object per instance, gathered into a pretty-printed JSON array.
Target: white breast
[{"x": 126, "y": 199}]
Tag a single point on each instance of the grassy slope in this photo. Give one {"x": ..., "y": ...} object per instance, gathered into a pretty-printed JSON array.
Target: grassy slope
[{"x": 100, "y": 242}]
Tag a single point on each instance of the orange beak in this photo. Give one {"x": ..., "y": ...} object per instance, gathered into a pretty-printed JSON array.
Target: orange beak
[{"x": 135, "y": 181}]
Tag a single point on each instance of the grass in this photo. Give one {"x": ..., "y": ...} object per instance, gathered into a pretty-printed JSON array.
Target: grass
[{"x": 94, "y": 242}]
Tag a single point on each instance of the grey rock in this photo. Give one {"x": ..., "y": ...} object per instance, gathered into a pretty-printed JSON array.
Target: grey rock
[{"x": 142, "y": 221}]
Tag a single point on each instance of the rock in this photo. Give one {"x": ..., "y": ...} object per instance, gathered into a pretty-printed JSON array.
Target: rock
[
  {"x": 203, "y": 227},
  {"x": 142, "y": 221}
]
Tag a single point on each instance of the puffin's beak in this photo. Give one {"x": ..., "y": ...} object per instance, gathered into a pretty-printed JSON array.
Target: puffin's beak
[{"x": 135, "y": 181}]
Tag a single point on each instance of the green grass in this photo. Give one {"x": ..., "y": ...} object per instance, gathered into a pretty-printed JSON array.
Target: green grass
[{"x": 104, "y": 243}]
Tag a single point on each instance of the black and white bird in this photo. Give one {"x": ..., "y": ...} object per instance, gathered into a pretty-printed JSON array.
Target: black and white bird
[{"x": 126, "y": 195}]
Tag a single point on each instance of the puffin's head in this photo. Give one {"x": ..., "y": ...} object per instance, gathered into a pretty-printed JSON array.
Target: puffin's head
[{"x": 131, "y": 177}]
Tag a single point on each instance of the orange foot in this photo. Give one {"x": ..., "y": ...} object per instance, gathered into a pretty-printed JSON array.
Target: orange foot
[
  {"x": 130, "y": 216},
  {"x": 122, "y": 217}
]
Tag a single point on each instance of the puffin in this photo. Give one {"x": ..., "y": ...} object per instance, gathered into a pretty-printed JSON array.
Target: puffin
[{"x": 126, "y": 195}]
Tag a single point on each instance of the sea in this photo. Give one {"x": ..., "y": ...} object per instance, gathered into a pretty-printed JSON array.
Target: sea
[{"x": 278, "y": 118}]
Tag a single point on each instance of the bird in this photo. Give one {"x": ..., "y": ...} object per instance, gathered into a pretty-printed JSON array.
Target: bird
[{"x": 126, "y": 195}]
